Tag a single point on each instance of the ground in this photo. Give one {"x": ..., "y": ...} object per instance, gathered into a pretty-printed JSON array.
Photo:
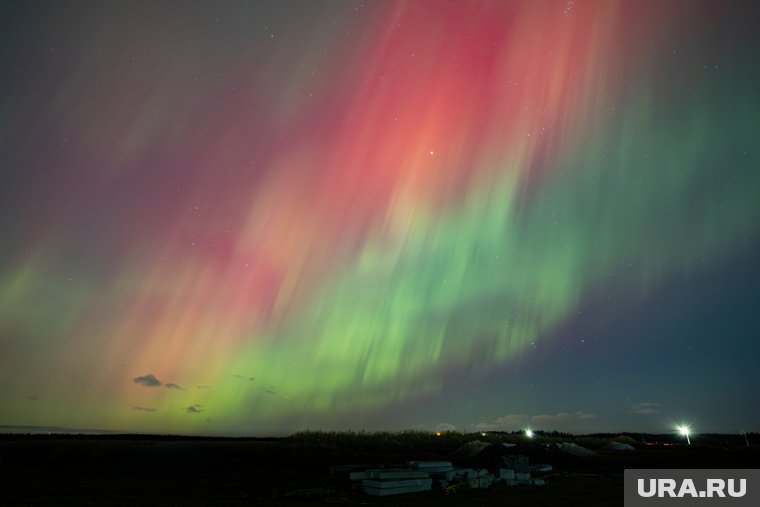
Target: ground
[{"x": 163, "y": 471}]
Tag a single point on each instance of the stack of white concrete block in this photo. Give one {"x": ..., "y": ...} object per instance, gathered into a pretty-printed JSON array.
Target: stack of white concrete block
[
  {"x": 512, "y": 478},
  {"x": 507, "y": 476},
  {"x": 384, "y": 482},
  {"x": 475, "y": 479},
  {"x": 481, "y": 479},
  {"x": 522, "y": 478},
  {"x": 442, "y": 469}
]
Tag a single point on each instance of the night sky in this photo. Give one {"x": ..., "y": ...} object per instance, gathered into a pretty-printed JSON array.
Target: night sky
[{"x": 252, "y": 218}]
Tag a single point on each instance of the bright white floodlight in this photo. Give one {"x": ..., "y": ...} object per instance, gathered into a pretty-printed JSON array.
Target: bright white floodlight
[
  {"x": 685, "y": 430},
  {"x": 529, "y": 433}
]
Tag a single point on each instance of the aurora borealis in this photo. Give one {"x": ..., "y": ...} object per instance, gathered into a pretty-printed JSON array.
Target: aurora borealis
[{"x": 257, "y": 217}]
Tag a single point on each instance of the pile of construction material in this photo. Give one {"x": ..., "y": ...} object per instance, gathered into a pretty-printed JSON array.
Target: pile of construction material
[
  {"x": 420, "y": 475},
  {"x": 436, "y": 469},
  {"x": 395, "y": 481},
  {"x": 481, "y": 479}
]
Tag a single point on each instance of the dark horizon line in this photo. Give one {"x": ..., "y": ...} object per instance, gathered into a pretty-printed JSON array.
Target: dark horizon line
[{"x": 69, "y": 432}]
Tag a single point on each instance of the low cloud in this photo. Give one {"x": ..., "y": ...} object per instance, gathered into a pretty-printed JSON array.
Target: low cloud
[
  {"x": 551, "y": 418},
  {"x": 516, "y": 422},
  {"x": 547, "y": 419},
  {"x": 148, "y": 380},
  {"x": 144, "y": 409},
  {"x": 174, "y": 386},
  {"x": 444, "y": 427},
  {"x": 509, "y": 422},
  {"x": 645, "y": 408},
  {"x": 194, "y": 409}
]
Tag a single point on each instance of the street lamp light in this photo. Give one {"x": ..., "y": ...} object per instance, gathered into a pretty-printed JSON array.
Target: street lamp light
[
  {"x": 685, "y": 430},
  {"x": 529, "y": 433}
]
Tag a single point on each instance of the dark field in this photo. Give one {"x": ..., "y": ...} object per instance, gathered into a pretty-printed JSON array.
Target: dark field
[{"x": 301, "y": 470}]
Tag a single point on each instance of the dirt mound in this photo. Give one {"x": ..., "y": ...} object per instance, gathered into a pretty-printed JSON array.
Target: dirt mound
[
  {"x": 575, "y": 449},
  {"x": 471, "y": 449},
  {"x": 618, "y": 446}
]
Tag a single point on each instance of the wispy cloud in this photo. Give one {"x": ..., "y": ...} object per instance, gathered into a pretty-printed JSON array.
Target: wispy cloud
[
  {"x": 515, "y": 422},
  {"x": 443, "y": 427},
  {"x": 509, "y": 422},
  {"x": 148, "y": 380},
  {"x": 645, "y": 408},
  {"x": 547, "y": 419},
  {"x": 174, "y": 386}
]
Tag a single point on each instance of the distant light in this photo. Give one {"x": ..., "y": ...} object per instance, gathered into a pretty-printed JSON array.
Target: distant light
[
  {"x": 529, "y": 433},
  {"x": 685, "y": 431},
  {"x": 482, "y": 433},
  {"x": 438, "y": 433},
  {"x": 432, "y": 152}
]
